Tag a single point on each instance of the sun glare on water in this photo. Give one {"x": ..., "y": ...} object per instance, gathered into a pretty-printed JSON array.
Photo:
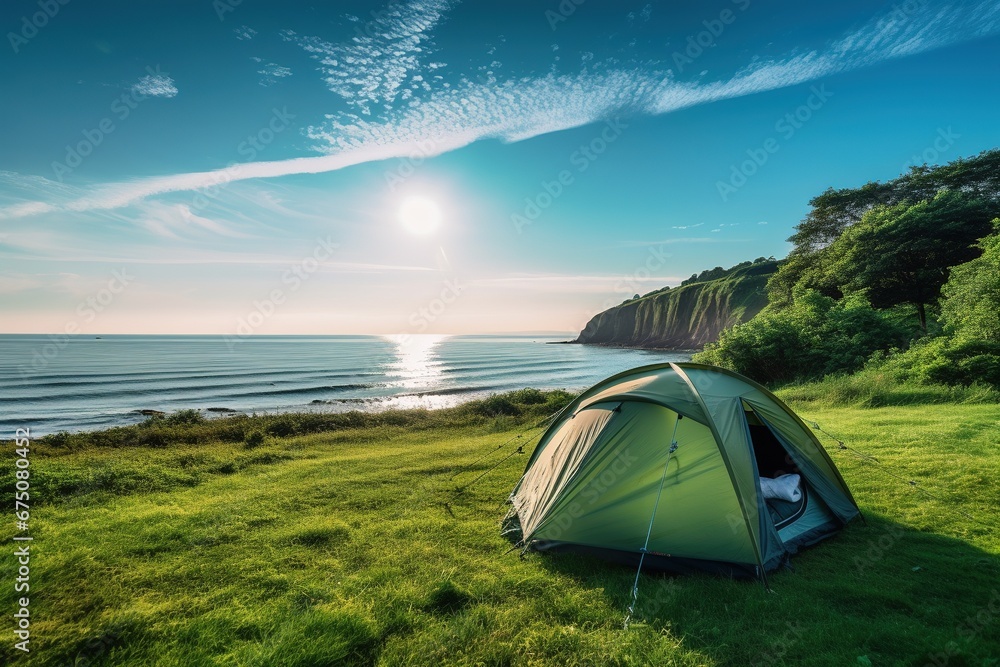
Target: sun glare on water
[{"x": 419, "y": 216}]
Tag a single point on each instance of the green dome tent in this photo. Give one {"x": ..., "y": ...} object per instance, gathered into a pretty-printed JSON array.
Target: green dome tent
[{"x": 670, "y": 464}]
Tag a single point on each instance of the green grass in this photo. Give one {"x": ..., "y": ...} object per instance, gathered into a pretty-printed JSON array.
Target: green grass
[
  {"x": 336, "y": 547},
  {"x": 872, "y": 388}
]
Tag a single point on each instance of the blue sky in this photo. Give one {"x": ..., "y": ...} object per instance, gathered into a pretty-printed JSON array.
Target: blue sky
[{"x": 431, "y": 166}]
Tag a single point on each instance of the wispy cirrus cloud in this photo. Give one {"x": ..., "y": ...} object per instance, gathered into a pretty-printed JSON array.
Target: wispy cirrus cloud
[
  {"x": 570, "y": 283},
  {"x": 244, "y": 33},
  {"x": 271, "y": 73},
  {"x": 155, "y": 85},
  {"x": 174, "y": 221},
  {"x": 386, "y": 52}
]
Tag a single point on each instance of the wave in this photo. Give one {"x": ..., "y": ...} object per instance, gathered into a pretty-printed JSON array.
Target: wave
[{"x": 92, "y": 384}]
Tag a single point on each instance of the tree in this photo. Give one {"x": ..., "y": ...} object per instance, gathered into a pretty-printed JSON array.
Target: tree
[
  {"x": 971, "y": 305},
  {"x": 834, "y": 211},
  {"x": 902, "y": 253}
]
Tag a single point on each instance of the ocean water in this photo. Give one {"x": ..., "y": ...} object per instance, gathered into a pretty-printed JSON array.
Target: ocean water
[{"x": 77, "y": 383}]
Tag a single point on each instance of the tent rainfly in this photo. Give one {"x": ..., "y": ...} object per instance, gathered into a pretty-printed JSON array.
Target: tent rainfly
[{"x": 684, "y": 466}]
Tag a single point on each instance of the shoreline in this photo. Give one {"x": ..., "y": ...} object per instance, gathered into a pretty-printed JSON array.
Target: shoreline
[
  {"x": 92, "y": 385},
  {"x": 189, "y": 426},
  {"x": 625, "y": 346},
  {"x": 375, "y": 405}
]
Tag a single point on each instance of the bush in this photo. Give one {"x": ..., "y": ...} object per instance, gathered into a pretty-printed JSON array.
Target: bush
[
  {"x": 282, "y": 427},
  {"x": 966, "y": 363},
  {"x": 184, "y": 417},
  {"x": 498, "y": 405},
  {"x": 60, "y": 439},
  {"x": 527, "y": 396},
  {"x": 520, "y": 404},
  {"x": 253, "y": 439},
  {"x": 971, "y": 308},
  {"x": 814, "y": 337}
]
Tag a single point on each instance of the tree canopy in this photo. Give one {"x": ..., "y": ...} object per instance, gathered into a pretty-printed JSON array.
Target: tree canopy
[
  {"x": 902, "y": 254},
  {"x": 836, "y": 210},
  {"x": 868, "y": 266},
  {"x": 971, "y": 307}
]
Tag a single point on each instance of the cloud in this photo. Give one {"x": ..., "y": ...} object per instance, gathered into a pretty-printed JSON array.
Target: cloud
[
  {"x": 61, "y": 282},
  {"x": 27, "y": 208},
  {"x": 694, "y": 239},
  {"x": 584, "y": 284},
  {"x": 13, "y": 284},
  {"x": 176, "y": 220},
  {"x": 155, "y": 85},
  {"x": 244, "y": 32},
  {"x": 272, "y": 73},
  {"x": 385, "y": 51},
  {"x": 448, "y": 118}
]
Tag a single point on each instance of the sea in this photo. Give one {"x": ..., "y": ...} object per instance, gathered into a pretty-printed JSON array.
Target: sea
[{"x": 85, "y": 382}]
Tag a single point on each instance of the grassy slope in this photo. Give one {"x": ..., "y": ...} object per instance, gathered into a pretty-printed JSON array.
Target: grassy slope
[{"x": 335, "y": 548}]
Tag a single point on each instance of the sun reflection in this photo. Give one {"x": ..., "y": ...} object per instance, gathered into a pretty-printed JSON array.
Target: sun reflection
[{"x": 416, "y": 365}]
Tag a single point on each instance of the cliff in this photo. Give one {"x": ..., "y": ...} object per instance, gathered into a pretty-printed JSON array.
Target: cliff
[{"x": 684, "y": 317}]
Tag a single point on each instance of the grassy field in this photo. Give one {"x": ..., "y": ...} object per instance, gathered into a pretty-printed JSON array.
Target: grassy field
[{"x": 350, "y": 547}]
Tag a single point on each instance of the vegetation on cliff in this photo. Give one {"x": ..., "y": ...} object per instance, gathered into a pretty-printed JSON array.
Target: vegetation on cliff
[
  {"x": 687, "y": 316},
  {"x": 900, "y": 279}
]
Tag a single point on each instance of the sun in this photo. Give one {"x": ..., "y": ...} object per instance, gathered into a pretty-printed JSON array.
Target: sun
[{"x": 419, "y": 215}]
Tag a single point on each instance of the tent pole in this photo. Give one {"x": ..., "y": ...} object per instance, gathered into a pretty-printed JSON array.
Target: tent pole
[{"x": 652, "y": 518}]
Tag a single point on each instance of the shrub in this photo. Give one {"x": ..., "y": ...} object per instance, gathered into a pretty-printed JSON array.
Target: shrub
[
  {"x": 282, "y": 427},
  {"x": 971, "y": 308},
  {"x": 527, "y": 396},
  {"x": 253, "y": 439},
  {"x": 495, "y": 406},
  {"x": 814, "y": 337},
  {"x": 60, "y": 439},
  {"x": 184, "y": 417},
  {"x": 966, "y": 363}
]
